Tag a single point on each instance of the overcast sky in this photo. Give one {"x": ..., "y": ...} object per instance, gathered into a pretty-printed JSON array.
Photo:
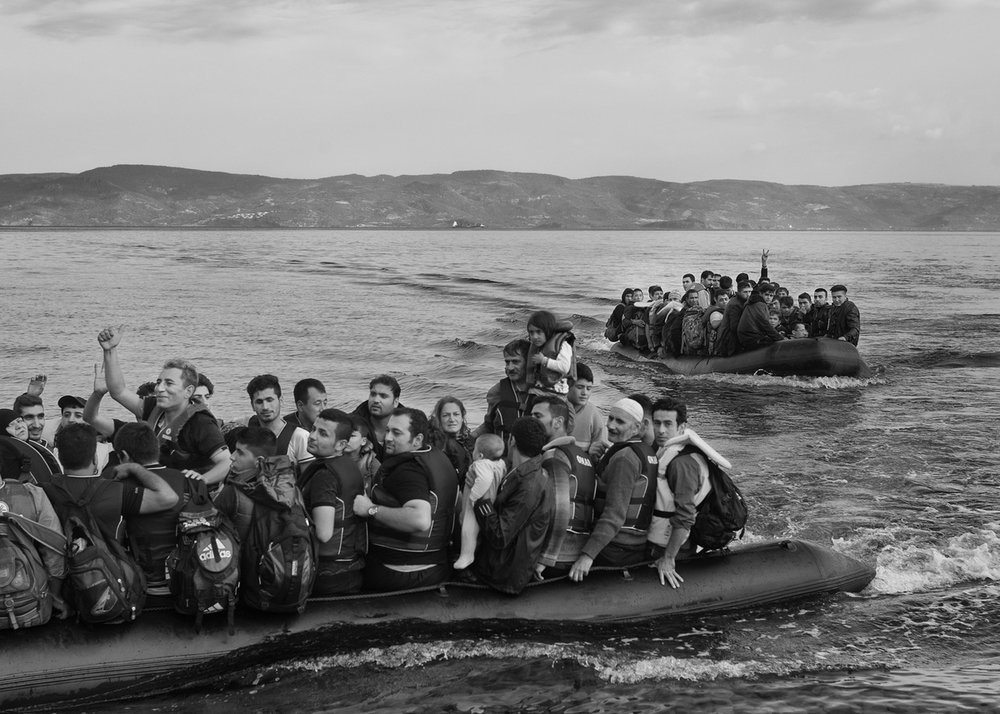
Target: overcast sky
[{"x": 829, "y": 92}]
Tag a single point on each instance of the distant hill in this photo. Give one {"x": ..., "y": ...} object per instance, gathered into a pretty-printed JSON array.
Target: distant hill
[{"x": 161, "y": 196}]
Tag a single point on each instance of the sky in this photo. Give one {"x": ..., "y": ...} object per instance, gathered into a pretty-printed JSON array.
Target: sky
[{"x": 827, "y": 92}]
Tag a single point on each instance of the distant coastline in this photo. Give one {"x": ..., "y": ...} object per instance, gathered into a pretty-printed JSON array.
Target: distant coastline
[{"x": 135, "y": 197}]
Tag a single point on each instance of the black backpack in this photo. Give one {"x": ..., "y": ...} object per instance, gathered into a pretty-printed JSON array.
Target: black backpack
[
  {"x": 25, "y": 597},
  {"x": 279, "y": 556},
  {"x": 108, "y": 586},
  {"x": 204, "y": 568},
  {"x": 722, "y": 516}
]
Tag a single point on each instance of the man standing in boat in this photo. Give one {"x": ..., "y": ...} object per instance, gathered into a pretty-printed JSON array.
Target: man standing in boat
[
  {"x": 507, "y": 399},
  {"x": 188, "y": 434},
  {"x": 845, "y": 318},
  {"x": 626, "y": 488},
  {"x": 411, "y": 511}
]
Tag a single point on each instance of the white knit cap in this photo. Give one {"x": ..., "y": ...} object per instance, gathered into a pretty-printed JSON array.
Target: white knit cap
[{"x": 628, "y": 408}]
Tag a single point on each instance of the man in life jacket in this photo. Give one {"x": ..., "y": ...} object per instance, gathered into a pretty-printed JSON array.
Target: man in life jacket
[
  {"x": 265, "y": 400},
  {"x": 507, "y": 400},
  {"x": 626, "y": 488},
  {"x": 574, "y": 482},
  {"x": 411, "y": 511},
  {"x": 686, "y": 477},
  {"x": 329, "y": 486},
  {"x": 310, "y": 399},
  {"x": 514, "y": 527},
  {"x": 383, "y": 398},
  {"x": 152, "y": 535},
  {"x": 589, "y": 425},
  {"x": 190, "y": 438}
]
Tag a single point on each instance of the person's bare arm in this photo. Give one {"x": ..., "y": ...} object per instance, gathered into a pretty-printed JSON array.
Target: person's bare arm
[
  {"x": 109, "y": 339},
  {"x": 158, "y": 496},
  {"x": 412, "y": 517},
  {"x": 91, "y": 411},
  {"x": 221, "y": 461}
]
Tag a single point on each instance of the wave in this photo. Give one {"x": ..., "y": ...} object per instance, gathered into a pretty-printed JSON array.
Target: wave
[{"x": 951, "y": 359}]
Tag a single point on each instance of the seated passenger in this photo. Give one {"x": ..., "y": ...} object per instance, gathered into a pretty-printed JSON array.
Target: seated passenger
[
  {"x": 626, "y": 488},
  {"x": 805, "y": 308},
  {"x": 845, "y": 318},
  {"x": 264, "y": 391},
  {"x": 658, "y": 316},
  {"x": 360, "y": 450},
  {"x": 819, "y": 323},
  {"x": 411, "y": 509},
  {"x": 614, "y": 328},
  {"x": 383, "y": 397},
  {"x": 485, "y": 472},
  {"x": 507, "y": 400},
  {"x": 589, "y": 425},
  {"x": 726, "y": 340},
  {"x": 799, "y": 331},
  {"x": 692, "y": 327},
  {"x": 514, "y": 526},
  {"x": 329, "y": 486},
  {"x": 251, "y": 444},
  {"x": 755, "y": 328},
  {"x": 789, "y": 314},
  {"x": 451, "y": 434},
  {"x": 551, "y": 357},
  {"x": 310, "y": 399}
]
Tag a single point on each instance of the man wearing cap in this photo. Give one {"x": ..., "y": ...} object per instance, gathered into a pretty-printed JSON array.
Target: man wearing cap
[
  {"x": 626, "y": 489},
  {"x": 845, "y": 318},
  {"x": 70, "y": 412},
  {"x": 755, "y": 329}
]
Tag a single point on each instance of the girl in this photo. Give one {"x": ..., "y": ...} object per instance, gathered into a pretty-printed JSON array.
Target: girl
[{"x": 551, "y": 357}]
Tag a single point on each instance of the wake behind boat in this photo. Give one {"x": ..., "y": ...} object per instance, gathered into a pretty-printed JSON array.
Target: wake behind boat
[
  {"x": 808, "y": 357},
  {"x": 67, "y": 663}
]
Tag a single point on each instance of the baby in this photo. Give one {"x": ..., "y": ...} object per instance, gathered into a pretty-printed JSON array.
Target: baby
[{"x": 487, "y": 469}]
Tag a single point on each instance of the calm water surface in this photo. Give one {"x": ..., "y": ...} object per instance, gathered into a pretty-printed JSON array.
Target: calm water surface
[{"x": 899, "y": 470}]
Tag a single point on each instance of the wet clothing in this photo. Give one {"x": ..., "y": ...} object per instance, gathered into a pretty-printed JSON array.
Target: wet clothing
[
  {"x": 755, "y": 328},
  {"x": 845, "y": 321},
  {"x": 513, "y": 530}
]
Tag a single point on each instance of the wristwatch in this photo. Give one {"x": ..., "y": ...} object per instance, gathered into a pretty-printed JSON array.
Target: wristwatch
[{"x": 372, "y": 510}]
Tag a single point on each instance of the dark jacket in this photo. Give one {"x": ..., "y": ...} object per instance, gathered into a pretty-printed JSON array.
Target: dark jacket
[
  {"x": 845, "y": 321},
  {"x": 819, "y": 320},
  {"x": 515, "y": 530},
  {"x": 755, "y": 329},
  {"x": 726, "y": 341}
]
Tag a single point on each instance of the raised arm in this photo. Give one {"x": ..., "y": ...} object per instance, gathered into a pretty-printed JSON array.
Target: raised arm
[
  {"x": 109, "y": 339},
  {"x": 91, "y": 411}
]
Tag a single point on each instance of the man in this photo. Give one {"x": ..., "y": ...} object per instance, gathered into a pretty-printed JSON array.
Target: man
[
  {"x": 204, "y": 391},
  {"x": 706, "y": 279},
  {"x": 110, "y": 500},
  {"x": 646, "y": 426},
  {"x": 383, "y": 398},
  {"x": 845, "y": 318},
  {"x": 189, "y": 436},
  {"x": 29, "y": 408},
  {"x": 310, "y": 400},
  {"x": 573, "y": 482},
  {"x": 626, "y": 488},
  {"x": 805, "y": 304},
  {"x": 329, "y": 486},
  {"x": 506, "y": 400},
  {"x": 411, "y": 510},
  {"x": 513, "y": 528},
  {"x": 755, "y": 329},
  {"x": 687, "y": 482},
  {"x": 589, "y": 427},
  {"x": 819, "y": 321},
  {"x": 265, "y": 400},
  {"x": 152, "y": 535},
  {"x": 250, "y": 444},
  {"x": 70, "y": 412},
  {"x": 687, "y": 282}
]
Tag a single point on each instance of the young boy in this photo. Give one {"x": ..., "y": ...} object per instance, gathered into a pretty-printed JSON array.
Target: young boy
[{"x": 487, "y": 468}]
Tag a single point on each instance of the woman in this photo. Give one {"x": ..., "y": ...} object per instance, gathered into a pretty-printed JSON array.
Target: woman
[
  {"x": 451, "y": 434},
  {"x": 613, "y": 328}
]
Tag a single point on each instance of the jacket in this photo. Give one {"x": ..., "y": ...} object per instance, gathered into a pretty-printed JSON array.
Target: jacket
[{"x": 755, "y": 329}]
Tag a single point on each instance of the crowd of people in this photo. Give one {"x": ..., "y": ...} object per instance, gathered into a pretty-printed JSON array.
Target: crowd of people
[
  {"x": 718, "y": 316},
  {"x": 545, "y": 487}
]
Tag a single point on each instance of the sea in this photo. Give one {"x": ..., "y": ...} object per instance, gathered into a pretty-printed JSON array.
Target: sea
[{"x": 899, "y": 470}]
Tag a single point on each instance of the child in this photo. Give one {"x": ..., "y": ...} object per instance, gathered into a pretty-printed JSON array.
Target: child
[
  {"x": 359, "y": 448},
  {"x": 487, "y": 469},
  {"x": 551, "y": 357}
]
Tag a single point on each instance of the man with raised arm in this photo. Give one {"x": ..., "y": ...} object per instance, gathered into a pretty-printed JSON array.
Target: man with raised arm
[
  {"x": 411, "y": 510},
  {"x": 189, "y": 437}
]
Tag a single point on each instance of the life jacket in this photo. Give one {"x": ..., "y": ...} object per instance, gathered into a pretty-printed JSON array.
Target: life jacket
[
  {"x": 582, "y": 487},
  {"x": 26, "y": 463},
  {"x": 350, "y": 533},
  {"x": 507, "y": 410},
  {"x": 283, "y": 439},
  {"x": 640, "y": 508},
  {"x": 171, "y": 453},
  {"x": 665, "y": 504},
  {"x": 443, "y": 495},
  {"x": 548, "y": 377}
]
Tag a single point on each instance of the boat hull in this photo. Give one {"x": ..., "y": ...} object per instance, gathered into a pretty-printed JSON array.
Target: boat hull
[
  {"x": 810, "y": 357},
  {"x": 72, "y": 663}
]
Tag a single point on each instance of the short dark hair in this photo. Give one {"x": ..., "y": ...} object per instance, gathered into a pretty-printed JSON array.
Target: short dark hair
[
  {"x": 360, "y": 425},
  {"x": 805, "y": 296},
  {"x": 643, "y": 401},
  {"x": 302, "y": 387},
  {"x": 743, "y": 285},
  {"x": 627, "y": 292},
  {"x": 262, "y": 382},
  {"x": 786, "y": 301},
  {"x": 519, "y": 347},
  {"x": 260, "y": 441},
  {"x": 688, "y": 275},
  {"x": 583, "y": 371},
  {"x": 26, "y": 400},
  {"x": 146, "y": 389},
  {"x": 545, "y": 321},
  {"x": 204, "y": 381},
  {"x": 529, "y": 436},
  {"x": 189, "y": 373},
  {"x": 707, "y": 274},
  {"x": 838, "y": 288},
  {"x": 419, "y": 425},
  {"x": 139, "y": 441},
  {"x": 389, "y": 381},
  {"x": 742, "y": 277},
  {"x": 77, "y": 445},
  {"x": 821, "y": 290},
  {"x": 726, "y": 282},
  {"x": 343, "y": 420},
  {"x": 669, "y": 404},
  {"x": 654, "y": 288},
  {"x": 558, "y": 408}
]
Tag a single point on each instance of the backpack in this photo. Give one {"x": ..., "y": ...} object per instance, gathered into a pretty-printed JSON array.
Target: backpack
[
  {"x": 108, "y": 586},
  {"x": 25, "y": 598},
  {"x": 722, "y": 516},
  {"x": 278, "y": 559},
  {"x": 692, "y": 333},
  {"x": 203, "y": 570}
]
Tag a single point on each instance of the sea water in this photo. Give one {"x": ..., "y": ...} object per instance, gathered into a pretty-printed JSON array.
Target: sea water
[{"x": 899, "y": 470}]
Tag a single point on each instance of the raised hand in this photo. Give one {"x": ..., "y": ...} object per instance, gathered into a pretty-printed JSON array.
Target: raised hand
[
  {"x": 37, "y": 385},
  {"x": 110, "y": 337}
]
